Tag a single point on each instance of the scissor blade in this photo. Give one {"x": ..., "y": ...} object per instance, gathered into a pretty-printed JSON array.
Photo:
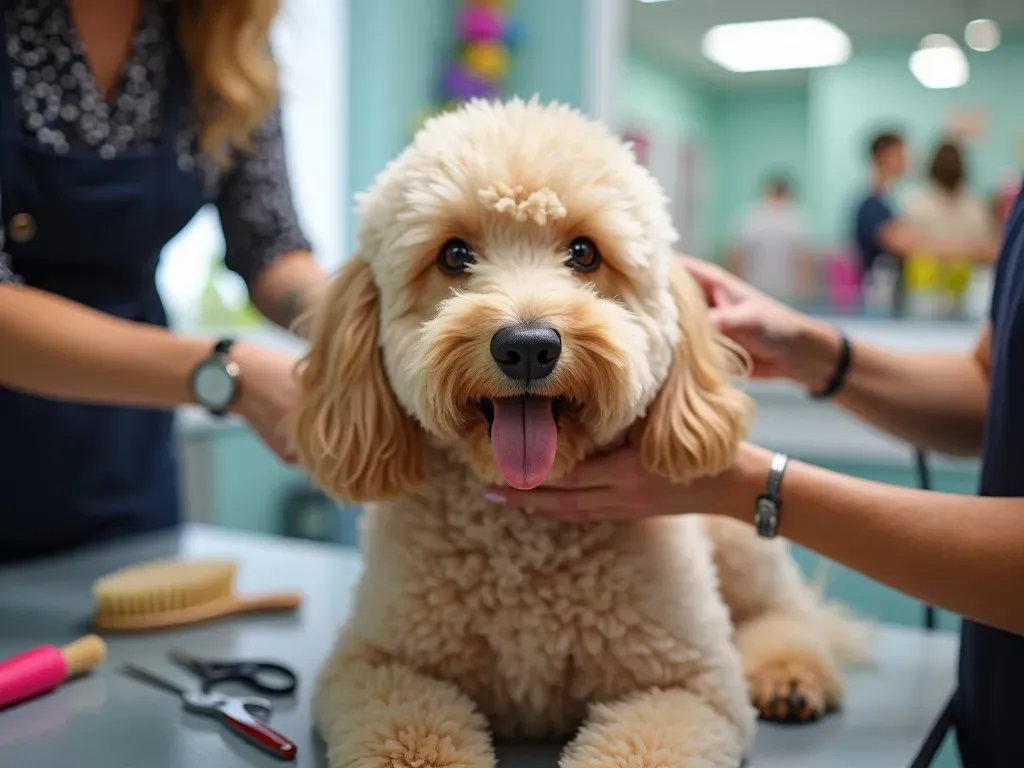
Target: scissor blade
[
  {"x": 182, "y": 659},
  {"x": 152, "y": 678}
]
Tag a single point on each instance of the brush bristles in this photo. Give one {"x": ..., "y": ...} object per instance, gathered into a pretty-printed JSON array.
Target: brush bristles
[{"x": 161, "y": 587}]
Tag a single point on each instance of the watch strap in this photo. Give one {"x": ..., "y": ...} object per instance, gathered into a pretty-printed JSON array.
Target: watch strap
[
  {"x": 838, "y": 378},
  {"x": 768, "y": 504},
  {"x": 223, "y": 348}
]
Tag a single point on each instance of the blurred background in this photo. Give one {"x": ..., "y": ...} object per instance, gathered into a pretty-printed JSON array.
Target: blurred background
[{"x": 758, "y": 116}]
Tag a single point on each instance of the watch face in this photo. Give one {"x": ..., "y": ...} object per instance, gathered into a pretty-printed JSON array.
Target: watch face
[{"x": 214, "y": 386}]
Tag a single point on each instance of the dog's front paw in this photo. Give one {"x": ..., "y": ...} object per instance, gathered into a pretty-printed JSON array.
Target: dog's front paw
[
  {"x": 417, "y": 749},
  {"x": 413, "y": 747},
  {"x": 796, "y": 689}
]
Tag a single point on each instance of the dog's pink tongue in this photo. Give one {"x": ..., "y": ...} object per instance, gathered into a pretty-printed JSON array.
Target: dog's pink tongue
[{"x": 524, "y": 439}]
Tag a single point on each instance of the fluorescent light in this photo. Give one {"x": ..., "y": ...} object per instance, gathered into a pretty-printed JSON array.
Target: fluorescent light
[
  {"x": 939, "y": 63},
  {"x": 982, "y": 35},
  {"x": 762, "y": 46}
]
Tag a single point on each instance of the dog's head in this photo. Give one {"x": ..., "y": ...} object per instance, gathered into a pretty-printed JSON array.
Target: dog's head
[{"x": 514, "y": 297}]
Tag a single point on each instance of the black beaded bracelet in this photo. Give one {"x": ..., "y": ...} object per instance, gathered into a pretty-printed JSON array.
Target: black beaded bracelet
[{"x": 839, "y": 375}]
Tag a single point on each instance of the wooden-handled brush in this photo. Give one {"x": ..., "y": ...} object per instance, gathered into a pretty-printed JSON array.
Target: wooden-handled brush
[{"x": 172, "y": 593}]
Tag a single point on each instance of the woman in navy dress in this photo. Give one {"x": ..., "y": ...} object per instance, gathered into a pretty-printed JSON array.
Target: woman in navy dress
[{"x": 118, "y": 122}]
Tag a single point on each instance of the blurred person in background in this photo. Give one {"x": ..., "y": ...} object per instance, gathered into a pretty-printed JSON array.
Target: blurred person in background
[
  {"x": 946, "y": 210},
  {"x": 773, "y": 246},
  {"x": 884, "y": 240},
  {"x": 119, "y": 120}
]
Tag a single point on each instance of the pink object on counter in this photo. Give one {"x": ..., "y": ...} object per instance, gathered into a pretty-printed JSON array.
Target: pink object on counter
[
  {"x": 31, "y": 673},
  {"x": 844, "y": 281}
]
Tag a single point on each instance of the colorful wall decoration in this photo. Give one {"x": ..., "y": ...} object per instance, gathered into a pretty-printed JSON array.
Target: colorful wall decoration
[{"x": 486, "y": 38}]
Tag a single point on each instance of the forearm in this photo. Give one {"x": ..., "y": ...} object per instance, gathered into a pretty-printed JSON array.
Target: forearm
[
  {"x": 933, "y": 401},
  {"x": 288, "y": 288},
  {"x": 958, "y": 553},
  {"x": 56, "y": 348},
  {"x": 736, "y": 262},
  {"x": 805, "y": 275}
]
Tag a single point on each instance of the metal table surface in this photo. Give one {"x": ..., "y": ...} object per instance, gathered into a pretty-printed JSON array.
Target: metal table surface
[{"x": 106, "y": 720}]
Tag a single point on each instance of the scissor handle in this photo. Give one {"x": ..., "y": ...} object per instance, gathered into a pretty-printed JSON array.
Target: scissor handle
[
  {"x": 264, "y": 676},
  {"x": 257, "y": 732}
]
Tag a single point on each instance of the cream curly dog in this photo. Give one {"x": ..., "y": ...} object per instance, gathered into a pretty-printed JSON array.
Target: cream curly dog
[{"x": 514, "y": 306}]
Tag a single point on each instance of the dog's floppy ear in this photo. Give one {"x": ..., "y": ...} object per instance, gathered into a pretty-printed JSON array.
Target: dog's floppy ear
[
  {"x": 350, "y": 432},
  {"x": 699, "y": 417}
]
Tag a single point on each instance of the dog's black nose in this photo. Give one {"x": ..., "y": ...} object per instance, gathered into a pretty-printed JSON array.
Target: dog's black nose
[{"x": 526, "y": 352}]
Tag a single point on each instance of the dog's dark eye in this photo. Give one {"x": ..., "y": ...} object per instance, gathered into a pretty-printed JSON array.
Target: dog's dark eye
[
  {"x": 455, "y": 257},
  {"x": 583, "y": 255}
]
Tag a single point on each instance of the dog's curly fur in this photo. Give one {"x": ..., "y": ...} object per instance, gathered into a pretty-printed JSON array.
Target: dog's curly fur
[{"x": 647, "y": 640}]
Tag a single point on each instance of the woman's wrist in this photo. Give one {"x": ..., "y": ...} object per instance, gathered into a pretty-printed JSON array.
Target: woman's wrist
[
  {"x": 744, "y": 482},
  {"x": 813, "y": 354}
]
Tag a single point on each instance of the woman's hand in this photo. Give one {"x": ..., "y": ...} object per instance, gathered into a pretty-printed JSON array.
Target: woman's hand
[
  {"x": 782, "y": 342},
  {"x": 268, "y": 391},
  {"x": 616, "y": 486}
]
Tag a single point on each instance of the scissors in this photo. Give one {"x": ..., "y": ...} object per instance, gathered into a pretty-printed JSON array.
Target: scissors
[
  {"x": 262, "y": 676},
  {"x": 239, "y": 713}
]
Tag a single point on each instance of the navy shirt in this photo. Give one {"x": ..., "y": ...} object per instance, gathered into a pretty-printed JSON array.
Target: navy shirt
[
  {"x": 60, "y": 106},
  {"x": 872, "y": 213},
  {"x": 990, "y": 706}
]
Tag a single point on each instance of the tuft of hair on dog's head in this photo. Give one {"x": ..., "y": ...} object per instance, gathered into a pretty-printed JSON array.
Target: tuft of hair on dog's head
[
  {"x": 350, "y": 432},
  {"x": 503, "y": 219}
]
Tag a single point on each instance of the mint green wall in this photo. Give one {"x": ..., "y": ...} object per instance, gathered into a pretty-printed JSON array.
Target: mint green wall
[
  {"x": 550, "y": 61},
  {"x": 819, "y": 131},
  {"x": 664, "y": 99},
  {"x": 754, "y": 133},
  {"x": 396, "y": 51},
  {"x": 651, "y": 94},
  {"x": 876, "y": 89},
  {"x": 741, "y": 135}
]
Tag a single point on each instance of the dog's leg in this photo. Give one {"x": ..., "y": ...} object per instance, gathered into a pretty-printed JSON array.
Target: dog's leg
[
  {"x": 373, "y": 712},
  {"x": 792, "y": 646},
  {"x": 662, "y": 728}
]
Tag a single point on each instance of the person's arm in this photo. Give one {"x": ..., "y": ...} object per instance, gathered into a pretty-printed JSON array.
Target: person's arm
[
  {"x": 264, "y": 238},
  {"x": 935, "y": 401},
  {"x": 736, "y": 262},
  {"x": 287, "y": 288},
  {"x": 55, "y": 348},
  {"x": 960, "y": 553},
  {"x": 902, "y": 240}
]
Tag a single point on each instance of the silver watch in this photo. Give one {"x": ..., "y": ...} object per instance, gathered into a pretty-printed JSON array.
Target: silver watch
[{"x": 767, "y": 507}]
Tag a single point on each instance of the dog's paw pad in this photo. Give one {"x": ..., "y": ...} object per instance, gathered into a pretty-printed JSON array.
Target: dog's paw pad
[{"x": 790, "y": 692}]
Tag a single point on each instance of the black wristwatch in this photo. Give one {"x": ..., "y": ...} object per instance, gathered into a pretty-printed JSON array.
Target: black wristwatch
[
  {"x": 768, "y": 505},
  {"x": 215, "y": 379}
]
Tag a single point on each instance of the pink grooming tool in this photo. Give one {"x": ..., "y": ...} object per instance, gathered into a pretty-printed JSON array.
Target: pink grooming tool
[{"x": 42, "y": 669}]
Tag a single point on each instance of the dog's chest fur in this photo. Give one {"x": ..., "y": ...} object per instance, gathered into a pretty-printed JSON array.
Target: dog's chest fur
[{"x": 531, "y": 618}]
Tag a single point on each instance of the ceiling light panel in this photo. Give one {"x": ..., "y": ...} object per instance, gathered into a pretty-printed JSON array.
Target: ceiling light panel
[{"x": 763, "y": 46}]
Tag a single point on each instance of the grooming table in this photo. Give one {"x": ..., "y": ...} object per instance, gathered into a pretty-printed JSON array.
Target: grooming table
[{"x": 109, "y": 721}]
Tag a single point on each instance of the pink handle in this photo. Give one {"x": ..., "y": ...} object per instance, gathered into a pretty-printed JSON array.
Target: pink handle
[{"x": 31, "y": 673}]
